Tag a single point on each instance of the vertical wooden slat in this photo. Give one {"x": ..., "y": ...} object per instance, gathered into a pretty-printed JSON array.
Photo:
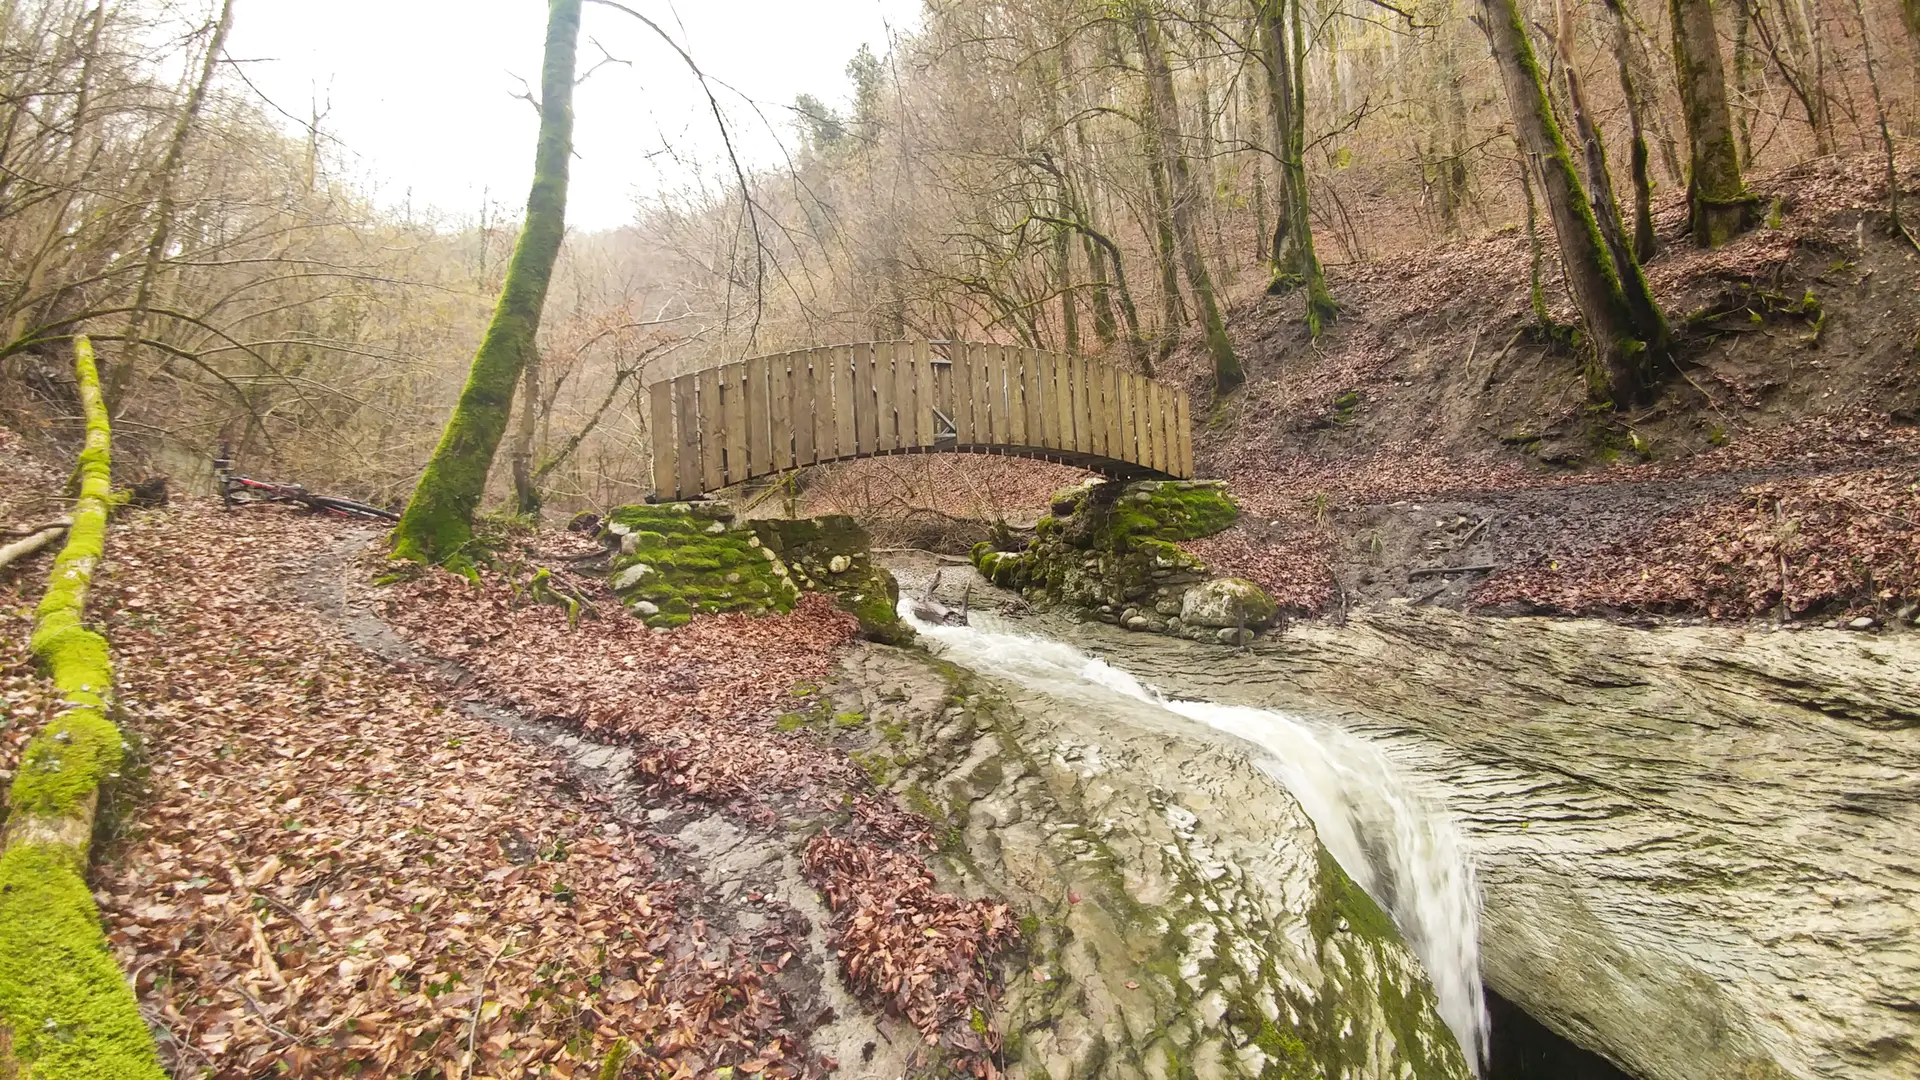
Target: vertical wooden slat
[
  {"x": 780, "y": 410},
  {"x": 733, "y": 403},
  {"x": 923, "y": 394},
  {"x": 1128, "y": 450},
  {"x": 1096, "y": 406},
  {"x": 1143, "y": 413},
  {"x": 759, "y": 448},
  {"x": 1014, "y": 360},
  {"x": 1045, "y": 422},
  {"x": 712, "y": 431},
  {"x": 686, "y": 432},
  {"x": 903, "y": 384},
  {"x": 962, "y": 393},
  {"x": 840, "y": 378},
  {"x": 1110, "y": 416},
  {"x": 993, "y": 380},
  {"x": 1030, "y": 398},
  {"x": 1070, "y": 427},
  {"x": 1152, "y": 425},
  {"x": 980, "y": 431},
  {"x": 1158, "y": 452},
  {"x": 860, "y": 357},
  {"x": 886, "y": 433},
  {"x": 806, "y": 417},
  {"x": 944, "y": 395},
  {"x": 1062, "y": 401},
  {"x": 1183, "y": 437},
  {"x": 1166, "y": 429},
  {"x": 666, "y": 475},
  {"x": 1083, "y": 419}
]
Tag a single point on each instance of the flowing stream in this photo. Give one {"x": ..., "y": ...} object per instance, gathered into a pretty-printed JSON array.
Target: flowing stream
[{"x": 1399, "y": 846}]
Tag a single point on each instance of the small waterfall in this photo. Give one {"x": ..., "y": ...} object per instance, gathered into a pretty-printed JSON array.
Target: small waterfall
[{"x": 1397, "y": 845}]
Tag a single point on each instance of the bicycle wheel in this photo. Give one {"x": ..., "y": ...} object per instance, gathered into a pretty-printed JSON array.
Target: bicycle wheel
[{"x": 349, "y": 508}]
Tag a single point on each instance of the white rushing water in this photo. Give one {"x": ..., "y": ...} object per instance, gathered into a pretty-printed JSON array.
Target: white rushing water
[{"x": 1400, "y": 847}]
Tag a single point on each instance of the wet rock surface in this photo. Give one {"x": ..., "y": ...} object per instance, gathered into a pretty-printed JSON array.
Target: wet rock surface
[
  {"x": 1182, "y": 916},
  {"x": 1694, "y": 844}
]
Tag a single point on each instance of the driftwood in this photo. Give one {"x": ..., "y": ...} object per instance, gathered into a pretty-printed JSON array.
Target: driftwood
[
  {"x": 43, "y": 536},
  {"x": 927, "y": 608},
  {"x": 1430, "y": 571}
]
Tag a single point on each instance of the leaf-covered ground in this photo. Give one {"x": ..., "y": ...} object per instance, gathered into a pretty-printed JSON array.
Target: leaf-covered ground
[
  {"x": 328, "y": 869},
  {"x": 702, "y": 706}
]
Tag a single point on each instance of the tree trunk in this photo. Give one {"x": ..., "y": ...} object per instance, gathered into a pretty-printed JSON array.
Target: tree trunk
[
  {"x": 1163, "y": 132},
  {"x": 1645, "y": 243},
  {"x": 1718, "y": 203},
  {"x": 1618, "y": 371},
  {"x": 1606, "y": 208},
  {"x": 1295, "y": 262},
  {"x": 122, "y": 372},
  {"x": 439, "y": 519},
  {"x": 1743, "y": 79},
  {"x": 526, "y": 493},
  {"x": 1536, "y": 256}
]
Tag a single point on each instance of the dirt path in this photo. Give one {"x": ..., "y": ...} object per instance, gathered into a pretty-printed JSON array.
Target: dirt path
[{"x": 335, "y": 861}]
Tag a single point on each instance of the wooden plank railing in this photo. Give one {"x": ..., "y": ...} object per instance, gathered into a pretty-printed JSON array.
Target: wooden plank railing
[{"x": 724, "y": 425}]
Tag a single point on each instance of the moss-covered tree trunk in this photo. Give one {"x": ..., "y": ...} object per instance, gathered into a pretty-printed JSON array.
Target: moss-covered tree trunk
[
  {"x": 66, "y": 1010},
  {"x": 1163, "y": 134},
  {"x": 1295, "y": 262},
  {"x": 1619, "y": 368},
  {"x": 1639, "y": 108},
  {"x": 1650, "y": 322},
  {"x": 1719, "y": 205},
  {"x": 439, "y": 518}
]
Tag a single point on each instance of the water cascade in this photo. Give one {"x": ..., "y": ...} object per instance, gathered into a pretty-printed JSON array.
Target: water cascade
[{"x": 1398, "y": 845}]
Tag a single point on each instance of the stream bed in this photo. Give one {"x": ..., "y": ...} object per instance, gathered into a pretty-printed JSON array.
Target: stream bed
[{"x": 1685, "y": 848}]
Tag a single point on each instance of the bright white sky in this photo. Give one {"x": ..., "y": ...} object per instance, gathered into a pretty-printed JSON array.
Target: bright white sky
[{"x": 421, "y": 91}]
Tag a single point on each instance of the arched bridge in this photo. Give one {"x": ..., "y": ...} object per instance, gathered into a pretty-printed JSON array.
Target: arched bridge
[{"x": 768, "y": 414}]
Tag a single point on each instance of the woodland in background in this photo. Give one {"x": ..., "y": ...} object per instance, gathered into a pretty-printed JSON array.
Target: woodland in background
[{"x": 1128, "y": 178}]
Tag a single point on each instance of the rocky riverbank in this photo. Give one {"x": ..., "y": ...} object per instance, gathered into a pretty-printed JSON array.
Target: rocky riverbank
[{"x": 1692, "y": 842}]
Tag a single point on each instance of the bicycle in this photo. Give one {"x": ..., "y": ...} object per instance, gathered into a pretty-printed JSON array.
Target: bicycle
[{"x": 236, "y": 490}]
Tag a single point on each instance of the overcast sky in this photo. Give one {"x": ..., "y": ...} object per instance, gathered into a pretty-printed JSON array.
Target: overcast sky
[{"x": 421, "y": 92}]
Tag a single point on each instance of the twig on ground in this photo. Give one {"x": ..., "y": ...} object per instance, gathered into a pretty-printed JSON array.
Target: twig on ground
[{"x": 1430, "y": 571}]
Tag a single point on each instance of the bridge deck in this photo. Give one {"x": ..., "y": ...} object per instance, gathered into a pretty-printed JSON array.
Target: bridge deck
[{"x": 723, "y": 425}]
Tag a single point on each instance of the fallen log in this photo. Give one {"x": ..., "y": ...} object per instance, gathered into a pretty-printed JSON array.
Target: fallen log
[
  {"x": 32, "y": 542},
  {"x": 66, "y": 1010}
]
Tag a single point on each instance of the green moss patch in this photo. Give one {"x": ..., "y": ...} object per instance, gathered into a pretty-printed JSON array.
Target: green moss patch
[
  {"x": 72, "y": 1013},
  {"x": 682, "y": 559},
  {"x": 678, "y": 560}
]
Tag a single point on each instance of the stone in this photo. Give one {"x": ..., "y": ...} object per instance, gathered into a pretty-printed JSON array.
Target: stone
[
  {"x": 629, "y": 543},
  {"x": 838, "y": 564},
  {"x": 716, "y": 528},
  {"x": 1232, "y": 635},
  {"x": 1864, "y": 622},
  {"x": 645, "y": 608},
  {"x": 1694, "y": 843},
  {"x": 631, "y": 576},
  {"x": 1228, "y": 602},
  {"x": 1137, "y": 622}
]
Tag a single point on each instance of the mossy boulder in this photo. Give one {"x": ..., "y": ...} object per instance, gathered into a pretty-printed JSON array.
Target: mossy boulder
[
  {"x": 1228, "y": 602},
  {"x": 1112, "y": 550},
  {"x": 1156, "y": 510},
  {"x": 681, "y": 559},
  {"x": 678, "y": 560},
  {"x": 833, "y": 555}
]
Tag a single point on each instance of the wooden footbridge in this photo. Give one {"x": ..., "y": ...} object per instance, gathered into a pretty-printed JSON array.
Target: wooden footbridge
[{"x": 768, "y": 414}]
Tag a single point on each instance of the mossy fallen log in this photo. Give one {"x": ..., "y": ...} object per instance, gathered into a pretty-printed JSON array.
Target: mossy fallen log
[{"x": 66, "y": 1011}]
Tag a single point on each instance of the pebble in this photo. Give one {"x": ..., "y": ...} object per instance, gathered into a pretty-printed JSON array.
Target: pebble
[{"x": 1864, "y": 622}]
